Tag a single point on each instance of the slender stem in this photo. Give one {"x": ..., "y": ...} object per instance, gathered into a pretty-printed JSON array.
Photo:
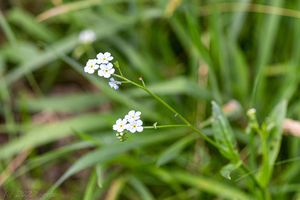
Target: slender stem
[
  {"x": 205, "y": 123},
  {"x": 165, "y": 126},
  {"x": 120, "y": 71},
  {"x": 170, "y": 108},
  {"x": 254, "y": 180}
]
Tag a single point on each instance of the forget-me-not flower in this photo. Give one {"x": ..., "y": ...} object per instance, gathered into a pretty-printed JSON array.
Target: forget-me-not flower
[
  {"x": 106, "y": 70},
  {"x": 133, "y": 115},
  {"x": 104, "y": 58},
  {"x": 114, "y": 84},
  {"x": 120, "y": 125},
  {"x": 91, "y": 66},
  {"x": 135, "y": 126}
]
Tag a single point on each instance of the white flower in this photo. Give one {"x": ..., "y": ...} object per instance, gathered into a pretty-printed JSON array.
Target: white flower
[
  {"x": 133, "y": 115},
  {"x": 87, "y": 36},
  {"x": 120, "y": 125},
  {"x": 106, "y": 70},
  {"x": 135, "y": 126},
  {"x": 91, "y": 66},
  {"x": 104, "y": 58},
  {"x": 114, "y": 84}
]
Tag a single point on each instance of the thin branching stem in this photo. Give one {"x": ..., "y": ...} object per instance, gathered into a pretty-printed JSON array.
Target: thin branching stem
[
  {"x": 254, "y": 180},
  {"x": 166, "y": 126},
  {"x": 188, "y": 124}
]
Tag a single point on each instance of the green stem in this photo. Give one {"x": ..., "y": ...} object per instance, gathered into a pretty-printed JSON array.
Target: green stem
[
  {"x": 165, "y": 126},
  {"x": 254, "y": 180},
  {"x": 188, "y": 124}
]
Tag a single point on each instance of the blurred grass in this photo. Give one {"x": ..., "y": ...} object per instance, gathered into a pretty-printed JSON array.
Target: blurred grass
[{"x": 187, "y": 51}]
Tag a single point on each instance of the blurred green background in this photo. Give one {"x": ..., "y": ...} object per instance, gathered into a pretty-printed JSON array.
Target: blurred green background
[{"x": 55, "y": 130}]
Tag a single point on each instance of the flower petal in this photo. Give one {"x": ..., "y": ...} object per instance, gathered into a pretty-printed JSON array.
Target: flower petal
[
  {"x": 106, "y": 75},
  {"x": 107, "y": 54},
  {"x": 115, "y": 127},
  {"x": 100, "y": 73},
  {"x": 111, "y": 84},
  {"x": 86, "y": 69},
  {"x": 96, "y": 66},
  {"x": 139, "y": 122},
  {"x": 133, "y": 130},
  {"x": 100, "y": 55},
  {"x": 103, "y": 66},
  {"x": 111, "y": 71},
  {"x": 139, "y": 129},
  {"x": 131, "y": 112},
  {"x": 109, "y": 65}
]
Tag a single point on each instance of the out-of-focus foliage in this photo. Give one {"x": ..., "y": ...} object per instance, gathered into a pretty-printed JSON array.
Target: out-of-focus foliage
[{"x": 56, "y": 121}]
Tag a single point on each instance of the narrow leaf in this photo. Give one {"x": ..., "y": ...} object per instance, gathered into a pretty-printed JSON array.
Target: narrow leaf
[
  {"x": 173, "y": 151},
  {"x": 223, "y": 134}
]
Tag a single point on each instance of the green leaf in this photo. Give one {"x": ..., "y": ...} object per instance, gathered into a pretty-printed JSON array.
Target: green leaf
[
  {"x": 50, "y": 132},
  {"x": 89, "y": 190},
  {"x": 53, "y": 155},
  {"x": 223, "y": 134},
  {"x": 7, "y": 29},
  {"x": 228, "y": 169},
  {"x": 31, "y": 25},
  {"x": 271, "y": 142},
  {"x": 141, "y": 188},
  {"x": 136, "y": 58},
  {"x": 277, "y": 117},
  {"x": 63, "y": 103},
  {"x": 111, "y": 151},
  {"x": 174, "y": 150},
  {"x": 266, "y": 41},
  {"x": 63, "y": 46},
  {"x": 209, "y": 185},
  {"x": 86, "y": 137},
  {"x": 99, "y": 173}
]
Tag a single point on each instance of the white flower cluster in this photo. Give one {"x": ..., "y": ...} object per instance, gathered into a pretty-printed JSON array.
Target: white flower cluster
[
  {"x": 105, "y": 68},
  {"x": 131, "y": 123}
]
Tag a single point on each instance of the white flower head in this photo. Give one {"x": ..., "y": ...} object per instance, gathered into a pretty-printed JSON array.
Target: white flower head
[
  {"x": 91, "y": 66},
  {"x": 114, "y": 84},
  {"x": 133, "y": 115},
  {"x": 104, "y": 58},
  {"x": 87, "y": 36},
  {"x": 135, "y": 126},
  {"x": 106, "y": 70},
  {"x": 120, "y": 125}
]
